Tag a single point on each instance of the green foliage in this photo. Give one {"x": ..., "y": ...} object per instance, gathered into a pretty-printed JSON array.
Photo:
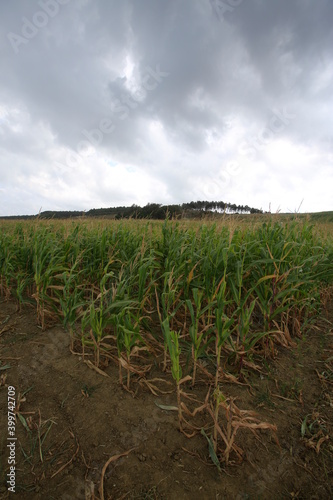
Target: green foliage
[{"x": 235, "y": 289}]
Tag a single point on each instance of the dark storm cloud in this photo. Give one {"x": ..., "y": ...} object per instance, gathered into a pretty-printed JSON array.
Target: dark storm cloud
[{"x": 146, "y": 83}]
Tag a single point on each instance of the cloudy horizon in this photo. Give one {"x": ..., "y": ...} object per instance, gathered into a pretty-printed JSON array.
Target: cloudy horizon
[{"x": 109, "y": 103}]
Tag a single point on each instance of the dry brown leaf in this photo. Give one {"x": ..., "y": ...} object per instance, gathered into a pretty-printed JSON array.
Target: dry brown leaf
[
  {"x": 111, "y": 459},
  {"x": 320, "y": 442},
  {"x": 95, "y": 368}
]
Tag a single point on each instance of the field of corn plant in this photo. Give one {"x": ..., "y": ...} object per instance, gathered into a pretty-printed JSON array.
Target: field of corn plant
[{"x": 200, "y": 304}]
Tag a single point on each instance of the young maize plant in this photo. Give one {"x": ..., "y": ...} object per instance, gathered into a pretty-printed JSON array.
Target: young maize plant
[
  {"x": 242, "y": 312},
  {"x": 100, "y": 315},
  {"x": 141, "y": 278},
  {"x": 128, "y": 341},
  {"x": 7, "y": 267},
  {"x": 172, "y": 340},
  {"x": 47, "y": 264},
  {"x": 20, "y": 270},
  {"x": 170, "y": 305},
  {"x": 223, "y": 327},
  {"x": 198, "y": 335},
  {"x": 70, "y": 297}
]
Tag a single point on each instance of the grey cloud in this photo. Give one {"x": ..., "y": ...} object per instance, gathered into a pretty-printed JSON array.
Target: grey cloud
[{"x": 75, "y": 72}]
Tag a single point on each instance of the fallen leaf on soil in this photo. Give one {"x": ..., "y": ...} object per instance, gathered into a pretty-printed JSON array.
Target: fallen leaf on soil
[
  {"x": 165, "y": 407},
  {"x": 93, "y": 367},
  {"x": 112, "y": 459}
]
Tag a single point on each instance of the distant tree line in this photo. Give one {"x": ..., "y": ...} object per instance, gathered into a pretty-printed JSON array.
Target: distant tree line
[
  {"x": 194, "y": 209},
  {"x": 221, "y": 206}
]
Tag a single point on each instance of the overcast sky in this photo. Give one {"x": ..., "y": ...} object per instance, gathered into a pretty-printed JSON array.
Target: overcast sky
[{"x": 114, "y": 102}]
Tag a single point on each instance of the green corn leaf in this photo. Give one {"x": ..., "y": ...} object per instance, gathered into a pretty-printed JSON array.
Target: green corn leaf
[{"x": 212, "y": 453}]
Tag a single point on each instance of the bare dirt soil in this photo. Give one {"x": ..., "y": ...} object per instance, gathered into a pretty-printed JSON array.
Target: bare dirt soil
[{"x": 72, "y": 420}]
